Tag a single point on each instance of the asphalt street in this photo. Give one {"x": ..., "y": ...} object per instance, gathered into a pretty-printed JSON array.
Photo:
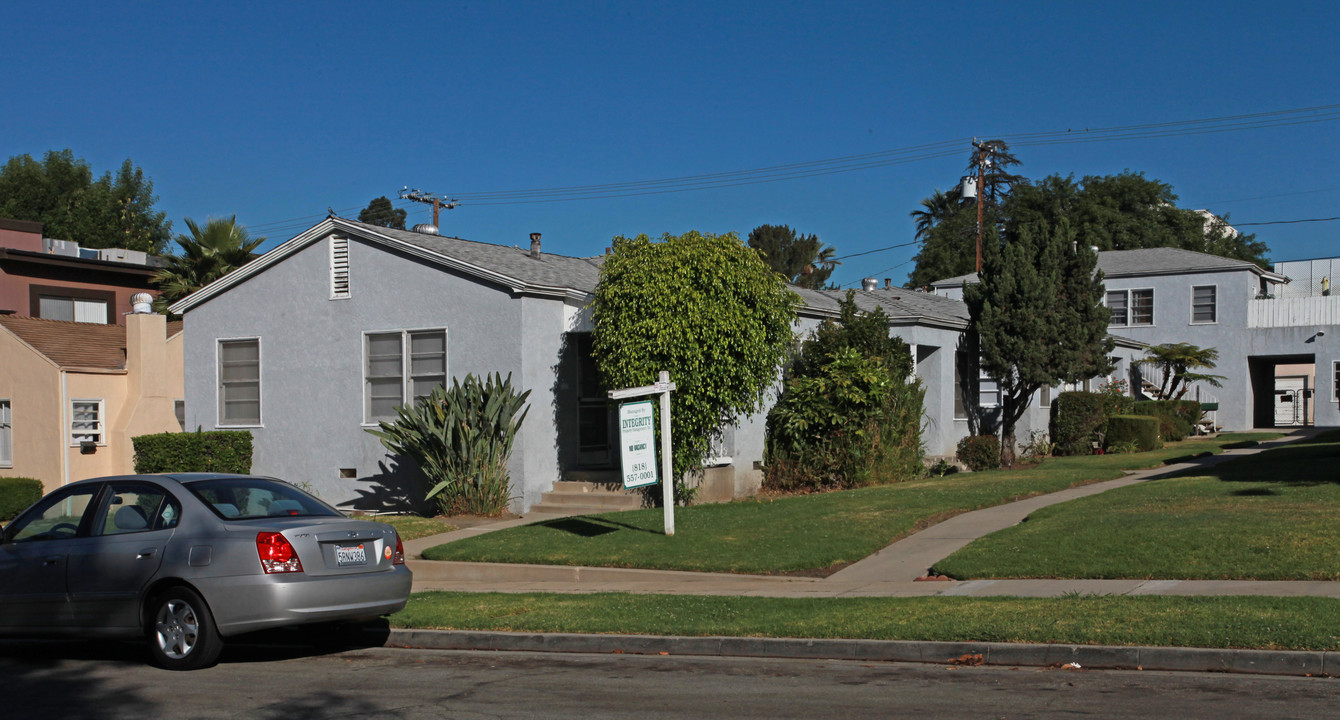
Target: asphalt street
[{"x": 73, "y": 681}]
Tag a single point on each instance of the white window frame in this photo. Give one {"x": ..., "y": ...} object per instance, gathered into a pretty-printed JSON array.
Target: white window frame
[
  {"x": 1335, "y": 382},
  {"x": 6, "y": 433},
  {"x": 1214, "y": 304},
  {"x": 99, "y": 423},
  {"x": 406, "y": 365},
  {"x": 984, "y": 382},
  {"x": 339, "y": 267},
  {"x": 260, "y": 383},
  {"x": 1129, "y": 320},
  {"x": 1045, "y": 396}
]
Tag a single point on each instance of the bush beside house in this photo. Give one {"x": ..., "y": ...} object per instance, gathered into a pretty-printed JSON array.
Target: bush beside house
[
  {"x": 1177, "y": 418},
  {"x": 1076, "y": 416},
  {"x": 222, "y": 451},
  {"x": 980, "y": 452},
  {"x": 16, "y": 494},
  {"x": 1140, "y": 432}
]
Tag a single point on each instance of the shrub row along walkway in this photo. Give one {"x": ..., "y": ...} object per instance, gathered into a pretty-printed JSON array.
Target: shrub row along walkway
[{"x": 895, "y": 571}]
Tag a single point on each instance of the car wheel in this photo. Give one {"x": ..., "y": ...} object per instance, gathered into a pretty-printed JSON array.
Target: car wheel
[{"x": 181, "y": 631}]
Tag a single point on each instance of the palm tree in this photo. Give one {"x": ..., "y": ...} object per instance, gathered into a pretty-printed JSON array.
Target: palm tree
[
  {"x": 935, "y": 208},
  {"x": 206, "y": 255},
  {"x": 1180, "y": 363}
]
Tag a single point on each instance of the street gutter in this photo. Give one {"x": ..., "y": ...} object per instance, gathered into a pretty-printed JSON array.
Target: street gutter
[{"x": 1064, "y": 657}]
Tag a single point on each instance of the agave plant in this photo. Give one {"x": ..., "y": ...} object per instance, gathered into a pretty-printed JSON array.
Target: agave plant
[{"x": 461, "y": 437}]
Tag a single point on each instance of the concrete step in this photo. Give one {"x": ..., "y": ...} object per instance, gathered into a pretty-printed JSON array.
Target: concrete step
[
  {"x": 612, "y": 501},
  {"x": 567, "y": 510}
]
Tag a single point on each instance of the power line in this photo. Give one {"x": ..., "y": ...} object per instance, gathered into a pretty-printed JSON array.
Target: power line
[{"x": 1287, "y": 222}]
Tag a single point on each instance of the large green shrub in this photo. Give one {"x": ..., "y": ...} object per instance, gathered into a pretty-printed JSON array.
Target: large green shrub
[
  {"x": 979, "y": 452},
  {"x": 225, "y": 451},
  {"x": 1075, "y": 417},
  {"x": 1177, "y": 418},
  {"x": 16, "y": 494},
  {"x": 704, "y": 308},
  {"x": 848, "y": 415},
  {"x": 848, "y": 424},
  {"x": 1140, "y": 431},
  {"x": 461, "y": 438}
]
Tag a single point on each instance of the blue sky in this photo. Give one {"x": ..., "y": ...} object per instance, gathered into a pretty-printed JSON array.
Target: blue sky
[{"x": 278, "y": 111}]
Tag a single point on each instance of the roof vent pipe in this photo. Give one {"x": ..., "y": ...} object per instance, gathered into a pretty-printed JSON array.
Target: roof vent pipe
[
  {"x": 888, "y": 283},
  {"x": 869, "y": 284},
  {"x": 141, "y": 304},
  {"x": 535, "y": 246}
]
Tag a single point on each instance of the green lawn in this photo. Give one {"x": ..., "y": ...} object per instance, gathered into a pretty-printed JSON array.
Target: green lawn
[
  {"x": 1294, "y": 623},
  {"x": 412, "y": 527},
  {"x": 1271, "y": 516},
  {"x": 811, "y": 533}
]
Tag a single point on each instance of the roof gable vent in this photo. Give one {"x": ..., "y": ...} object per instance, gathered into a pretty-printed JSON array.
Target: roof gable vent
[{"x": 339, "y": 267}]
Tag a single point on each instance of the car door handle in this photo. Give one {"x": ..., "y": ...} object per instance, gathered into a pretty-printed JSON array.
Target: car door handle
[
  {"x": 53, "y": 560},
  {"x": 145, "y": 553}
]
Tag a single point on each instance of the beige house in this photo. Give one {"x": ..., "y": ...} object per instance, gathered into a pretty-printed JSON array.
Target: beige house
[{"x": 72, "y": 394}]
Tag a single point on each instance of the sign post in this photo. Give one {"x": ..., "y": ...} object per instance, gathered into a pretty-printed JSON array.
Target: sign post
[{"x": 637, "y": 461}]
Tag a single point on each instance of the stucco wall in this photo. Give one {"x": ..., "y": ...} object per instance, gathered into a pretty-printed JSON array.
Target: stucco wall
[
  {"x": 312, "y": 362},
  {"x": 31, "y": 383}
]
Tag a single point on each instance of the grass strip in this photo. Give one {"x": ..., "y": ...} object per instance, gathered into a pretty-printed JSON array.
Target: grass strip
[
  {"x": 1269, "y": 623},
  {"x": 413, "y": 527},
  {"x": 1270, "y": 516},
  {"x": 810, "y": 534}
]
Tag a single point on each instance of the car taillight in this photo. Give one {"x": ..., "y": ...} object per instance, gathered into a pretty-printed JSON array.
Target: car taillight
[
  {"x": 277, "y": 554},
  {"x": 399, "y": 557}
]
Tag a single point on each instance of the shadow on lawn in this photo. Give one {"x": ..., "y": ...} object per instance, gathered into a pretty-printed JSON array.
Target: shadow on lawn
[
  {"x": 1309, "y": 462},
  {"x": 592, "y": 527}
]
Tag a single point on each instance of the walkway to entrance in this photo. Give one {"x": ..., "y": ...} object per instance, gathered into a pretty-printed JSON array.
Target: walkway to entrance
[{"x": 891, "y": 572}]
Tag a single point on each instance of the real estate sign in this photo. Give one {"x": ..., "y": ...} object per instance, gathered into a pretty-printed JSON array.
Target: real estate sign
[{"x": 637, "y": 443}]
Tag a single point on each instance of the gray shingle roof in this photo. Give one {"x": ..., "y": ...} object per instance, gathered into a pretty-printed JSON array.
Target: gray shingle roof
[
  {"x": 549, "y": 270},
  {"x": 897, "y": 303},
  {"x": 1146, "y": 261}
]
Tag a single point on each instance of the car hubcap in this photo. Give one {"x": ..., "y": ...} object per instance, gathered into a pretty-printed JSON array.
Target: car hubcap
[{"x": 176, "y": 629}]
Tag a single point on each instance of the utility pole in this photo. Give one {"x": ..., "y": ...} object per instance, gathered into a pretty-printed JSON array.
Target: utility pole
[
  {"x": 981, "y": 191},
  {"x": 437, "y": 201}
]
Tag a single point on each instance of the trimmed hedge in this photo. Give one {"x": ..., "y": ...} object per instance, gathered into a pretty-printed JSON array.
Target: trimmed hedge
[
  {"x": 224, "y": 451},
  {"x": 1177, "y": 418},
  {"x": 980, "y": 452},
  {"x": 1143, "y": 430},
  {"x": 1076, "y": 416},
  {"x": 16, "y": 494}
]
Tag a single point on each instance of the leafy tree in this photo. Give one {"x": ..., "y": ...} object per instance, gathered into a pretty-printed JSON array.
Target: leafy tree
[
  {"x": 1038, "y": 317},
  {"x": 1128, "y": 211},
  {"x": 850, "y": 412},
  {"x": 207, "y": 254},
  {"x": 802, "y": 259},
  {"x": 61, "y": 193},
  {"x": 706, "y": 309},
  {"x": 381, "y": 212},
  {"x": 1181, "y": 363}
]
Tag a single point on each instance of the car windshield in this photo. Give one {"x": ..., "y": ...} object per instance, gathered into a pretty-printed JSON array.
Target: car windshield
[{"x": 247, "y": 498}]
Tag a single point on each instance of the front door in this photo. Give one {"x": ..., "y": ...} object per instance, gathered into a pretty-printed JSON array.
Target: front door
[{"x": 594, "y": 414}]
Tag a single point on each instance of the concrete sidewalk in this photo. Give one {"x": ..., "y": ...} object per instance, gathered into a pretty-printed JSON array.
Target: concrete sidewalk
[{"x": 891, "y": 572}]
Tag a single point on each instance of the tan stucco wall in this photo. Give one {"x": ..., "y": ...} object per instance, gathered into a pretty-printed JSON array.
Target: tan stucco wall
[
  {"x": 30, "y": 382},
  {"x": 136, "y": 401}
]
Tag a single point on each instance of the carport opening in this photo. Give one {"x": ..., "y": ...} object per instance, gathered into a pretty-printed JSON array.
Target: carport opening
[{"x": 1283, "y": 390}]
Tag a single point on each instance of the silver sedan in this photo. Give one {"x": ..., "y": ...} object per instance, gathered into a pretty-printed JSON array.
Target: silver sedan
[{"x": 189, "y": 559}]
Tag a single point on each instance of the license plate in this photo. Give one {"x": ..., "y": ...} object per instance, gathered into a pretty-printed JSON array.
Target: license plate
[{"x": 350, "y": 555}]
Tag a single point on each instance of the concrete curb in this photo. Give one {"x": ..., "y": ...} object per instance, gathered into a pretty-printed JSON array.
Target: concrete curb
[{"x": 1105, "y": 657}]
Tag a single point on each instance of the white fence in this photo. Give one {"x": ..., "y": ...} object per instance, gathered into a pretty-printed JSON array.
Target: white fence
[{"x": 1293, "y": 312}]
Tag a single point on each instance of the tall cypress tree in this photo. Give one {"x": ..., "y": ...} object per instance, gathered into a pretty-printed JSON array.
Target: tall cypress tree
[{"x": 1038, "y": 316}]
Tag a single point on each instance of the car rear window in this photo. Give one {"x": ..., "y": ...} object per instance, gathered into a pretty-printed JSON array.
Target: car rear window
[{"x": 249, "y": 498}]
